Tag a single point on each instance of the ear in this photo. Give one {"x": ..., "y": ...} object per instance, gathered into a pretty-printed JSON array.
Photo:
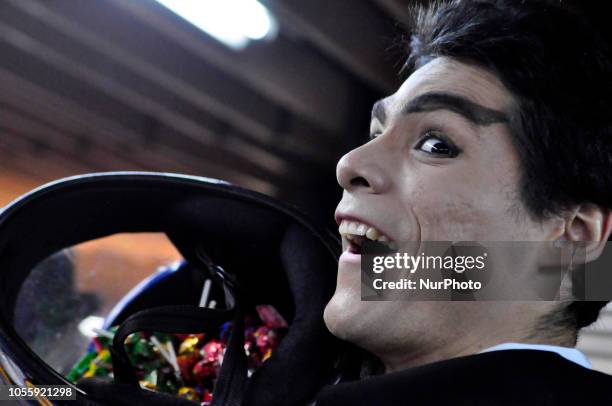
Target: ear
[{"x": 591, "y": 225}]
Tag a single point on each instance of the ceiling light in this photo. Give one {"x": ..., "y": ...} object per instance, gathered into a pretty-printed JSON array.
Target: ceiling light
[{"x": 233, "y": 22}]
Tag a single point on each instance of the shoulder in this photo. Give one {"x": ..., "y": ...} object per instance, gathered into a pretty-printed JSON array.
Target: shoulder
[{"x": 512, "y": 377}]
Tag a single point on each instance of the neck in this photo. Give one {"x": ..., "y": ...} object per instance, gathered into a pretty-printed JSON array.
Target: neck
[
  {"x": 411, "y": 357},
  {"x": 396, "y": 361}
]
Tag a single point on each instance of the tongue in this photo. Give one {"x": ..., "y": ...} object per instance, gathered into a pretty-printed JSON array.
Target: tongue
[{"x": 354, "y": 248}]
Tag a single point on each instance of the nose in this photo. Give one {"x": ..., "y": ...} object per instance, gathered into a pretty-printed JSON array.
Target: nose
[{"x": 360, "y": 170}]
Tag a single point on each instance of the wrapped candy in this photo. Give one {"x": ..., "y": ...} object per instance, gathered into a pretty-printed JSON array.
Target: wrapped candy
[
  {"x": 183, "y": 337},
  {"x": 186, "y": 365},
  {"x": 271, "y": 317},
  {"x": 188, "y": 393},
  {"x": 101, "y": 365},
  {"x": 149, "y": 381},
  {"x": 205, "y": 371},
  {"x": 144, "y": 384},
  {"x": 81, "y": 367},
  {"x": 189, "y": 345},
  {"x": 212, "y": 351},
  {"x": 206, "y": 397}
]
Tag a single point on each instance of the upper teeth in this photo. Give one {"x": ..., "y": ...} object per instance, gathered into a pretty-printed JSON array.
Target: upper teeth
[{"x": 350, "y": 229}]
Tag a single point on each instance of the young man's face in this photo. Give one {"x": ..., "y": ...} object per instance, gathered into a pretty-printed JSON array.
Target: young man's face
[{"x": 441, "y": 167}]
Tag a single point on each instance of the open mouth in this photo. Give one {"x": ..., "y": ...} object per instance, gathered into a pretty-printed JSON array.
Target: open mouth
[{"x": 359, "y": 236}]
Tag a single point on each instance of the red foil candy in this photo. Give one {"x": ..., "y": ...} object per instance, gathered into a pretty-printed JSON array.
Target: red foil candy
[
  {"x": 186, "y": 363},
  {"x": 212, "y": 351},
  {"x": 205, "y": 370}
]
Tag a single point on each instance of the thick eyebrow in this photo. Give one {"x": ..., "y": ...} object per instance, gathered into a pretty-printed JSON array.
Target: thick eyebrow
[{"x": 472, "y": 111}]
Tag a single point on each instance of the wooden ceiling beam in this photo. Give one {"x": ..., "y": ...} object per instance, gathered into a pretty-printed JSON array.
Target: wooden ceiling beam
[
  {"x": 77, "y": 148},
  {"x": 117, "y": 92},
  {"x": 51, "y": 163},
  {"x": 132, "y": 46},
  {"x": 355, "y": 33},
  {"x": 82, "y": 122},
  {"x": 18, "y": 152},
  {"x": 285, "y": 71}
]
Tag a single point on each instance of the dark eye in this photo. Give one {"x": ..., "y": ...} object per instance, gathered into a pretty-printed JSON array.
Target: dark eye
[{"x": 438, "y": 145}]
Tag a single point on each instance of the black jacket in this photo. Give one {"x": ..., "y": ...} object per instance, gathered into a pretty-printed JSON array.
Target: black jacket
[{"x": 508, "y": 377}]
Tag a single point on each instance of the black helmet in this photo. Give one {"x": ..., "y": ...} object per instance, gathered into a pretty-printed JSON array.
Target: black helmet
[{"x": 255, "y": 249}]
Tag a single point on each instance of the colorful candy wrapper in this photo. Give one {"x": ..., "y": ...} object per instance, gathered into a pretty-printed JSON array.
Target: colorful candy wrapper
[
  {"x": 188, "y": 393},
  {"x": 198, "y": 357},
  {"x": 271, "y": 317}
]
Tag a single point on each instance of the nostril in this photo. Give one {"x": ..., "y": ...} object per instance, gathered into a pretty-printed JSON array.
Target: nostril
[{"x": 359, "y": 181}]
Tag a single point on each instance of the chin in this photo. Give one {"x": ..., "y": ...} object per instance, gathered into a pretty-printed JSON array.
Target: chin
[
  {"x": 350, "y": 319},
  {"x": 338, "y": 318}
]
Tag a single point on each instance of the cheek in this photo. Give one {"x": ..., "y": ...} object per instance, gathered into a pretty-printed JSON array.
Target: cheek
[
  {"x": 449, "y": 221},
  {"x": 456, "y": 203}
]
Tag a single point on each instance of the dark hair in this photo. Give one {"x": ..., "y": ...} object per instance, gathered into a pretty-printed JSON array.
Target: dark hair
[{"x": 558, "y": 69}]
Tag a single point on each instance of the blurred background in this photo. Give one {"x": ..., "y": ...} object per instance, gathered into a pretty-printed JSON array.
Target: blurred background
[{"x": 267, "y": 95}]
